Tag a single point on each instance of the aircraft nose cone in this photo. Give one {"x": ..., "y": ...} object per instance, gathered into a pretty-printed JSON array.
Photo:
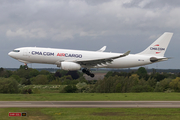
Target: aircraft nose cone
[{"x": 10, "y": 54}]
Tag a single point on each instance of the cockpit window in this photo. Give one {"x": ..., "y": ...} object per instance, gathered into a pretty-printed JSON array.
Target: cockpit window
[{"x": 16, "y": 50}]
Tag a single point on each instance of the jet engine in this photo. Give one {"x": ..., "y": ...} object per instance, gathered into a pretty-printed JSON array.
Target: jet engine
[{"x": 71, "y": 66}]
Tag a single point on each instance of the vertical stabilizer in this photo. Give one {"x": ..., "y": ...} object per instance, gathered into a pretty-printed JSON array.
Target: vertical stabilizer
[{"x": 158, "y": 48}]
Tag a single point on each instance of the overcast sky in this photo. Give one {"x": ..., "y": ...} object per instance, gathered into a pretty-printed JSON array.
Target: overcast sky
[{"x": 121, "y": 25}]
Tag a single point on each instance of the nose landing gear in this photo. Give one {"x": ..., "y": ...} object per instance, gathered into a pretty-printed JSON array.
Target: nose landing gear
[
  {"x": 87, "y": 71},
  {"x": 25, "y": 66}
]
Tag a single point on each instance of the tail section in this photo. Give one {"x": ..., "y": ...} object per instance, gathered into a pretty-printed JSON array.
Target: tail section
[{"x": 158, "y": 48}]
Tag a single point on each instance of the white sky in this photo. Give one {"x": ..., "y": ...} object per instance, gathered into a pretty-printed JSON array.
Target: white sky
[{"x": 121, "y": 25}]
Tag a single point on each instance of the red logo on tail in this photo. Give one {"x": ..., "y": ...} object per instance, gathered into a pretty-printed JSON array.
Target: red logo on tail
[{"x": 156, "y": 45}]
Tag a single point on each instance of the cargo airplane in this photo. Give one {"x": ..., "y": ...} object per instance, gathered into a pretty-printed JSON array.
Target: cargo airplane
[{"x": 78, "y": 59}]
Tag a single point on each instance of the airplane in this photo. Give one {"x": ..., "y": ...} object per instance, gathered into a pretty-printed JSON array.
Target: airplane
[{"x": 84, "y": 60}]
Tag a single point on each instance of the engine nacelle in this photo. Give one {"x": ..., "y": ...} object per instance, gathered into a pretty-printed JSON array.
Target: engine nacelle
[{"x": 71, "y": 66}]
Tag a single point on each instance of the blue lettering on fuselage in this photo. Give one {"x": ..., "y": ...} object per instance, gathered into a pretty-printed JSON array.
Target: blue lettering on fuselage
[
  {"x": 42, "y": 53},
  {"x": 73, "y": 55}
]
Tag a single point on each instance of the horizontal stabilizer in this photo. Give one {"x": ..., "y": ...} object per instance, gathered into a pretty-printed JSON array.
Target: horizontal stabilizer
[{"x": 154, "y": 59}]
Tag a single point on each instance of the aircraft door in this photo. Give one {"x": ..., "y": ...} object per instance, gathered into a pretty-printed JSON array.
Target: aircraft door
[{"x": 26, "y": 52}]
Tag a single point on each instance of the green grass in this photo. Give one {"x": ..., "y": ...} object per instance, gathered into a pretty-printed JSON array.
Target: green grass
[
  {"x": 93, "y": 113},
  {"x": 91, "y": 97}
]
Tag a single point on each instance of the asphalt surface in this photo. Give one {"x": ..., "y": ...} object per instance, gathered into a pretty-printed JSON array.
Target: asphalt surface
[{"x": 91, "y": 104}]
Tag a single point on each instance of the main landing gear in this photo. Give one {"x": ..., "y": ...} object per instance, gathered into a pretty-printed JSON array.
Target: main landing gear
[{"x": 87, "y": 71}]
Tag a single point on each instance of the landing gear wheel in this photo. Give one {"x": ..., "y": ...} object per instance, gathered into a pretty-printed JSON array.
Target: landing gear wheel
[
  {"x": 92, "y": 75},
  {"x": 87, "y": 71},
  {"x": 84, "y": 70}
]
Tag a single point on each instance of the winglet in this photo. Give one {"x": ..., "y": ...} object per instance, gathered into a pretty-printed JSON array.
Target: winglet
[
  {"x": 125, "y": 54},
  {"x": 102, "y": 49}
]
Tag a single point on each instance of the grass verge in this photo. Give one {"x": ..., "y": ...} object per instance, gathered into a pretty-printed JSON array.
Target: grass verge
[
  {"x": 93, "y": 113},
  {"x": 91, "y": 97}
]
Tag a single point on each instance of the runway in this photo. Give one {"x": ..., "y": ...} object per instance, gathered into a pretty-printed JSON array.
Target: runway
[{"x": 91, "y": 104}]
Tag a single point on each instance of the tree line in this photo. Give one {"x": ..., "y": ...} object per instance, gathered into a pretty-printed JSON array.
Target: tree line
[
  {"x": 8, "y": 79},
  {"x": 73, "y": 81},
  {"x": 139, "y": 81}
]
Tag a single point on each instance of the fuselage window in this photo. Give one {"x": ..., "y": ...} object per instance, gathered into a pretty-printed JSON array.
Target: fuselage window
[{"x": 16, "y": 50}]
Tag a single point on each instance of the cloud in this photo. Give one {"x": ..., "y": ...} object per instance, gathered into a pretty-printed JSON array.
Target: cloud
[
  {"x": 143, "y": 3},
  {"x": 33, "y": 33},
  {"x": 154, "y": 37},
  {"x": 78, "y": 23},
  {"x": 68, "y": 19}
]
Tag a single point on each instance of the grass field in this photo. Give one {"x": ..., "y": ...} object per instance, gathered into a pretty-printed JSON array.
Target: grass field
[
  {"x": 93, "y": 113},
  {"x": 91, "y": 97}
]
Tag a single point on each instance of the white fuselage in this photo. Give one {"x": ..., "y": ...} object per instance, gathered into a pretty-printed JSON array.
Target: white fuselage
[
  {"x": 77, "y": 59},
  {"x": 56, "y": 56}
]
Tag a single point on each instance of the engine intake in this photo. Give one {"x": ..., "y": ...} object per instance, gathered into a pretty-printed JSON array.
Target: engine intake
[{"x": 70, "y": 66}]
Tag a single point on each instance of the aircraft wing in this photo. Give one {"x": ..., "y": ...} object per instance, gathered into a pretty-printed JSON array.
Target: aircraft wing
[{"x": 101, "y": 62}]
